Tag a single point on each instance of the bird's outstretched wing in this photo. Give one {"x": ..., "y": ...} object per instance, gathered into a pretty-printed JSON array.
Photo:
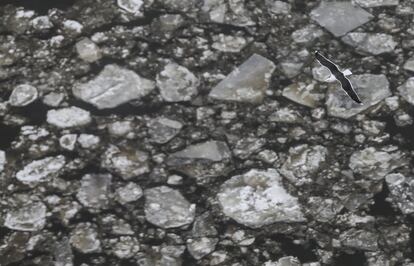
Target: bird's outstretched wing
[
  {"x": 347, "y": 86},
  {"x": 326, "y": 63}
]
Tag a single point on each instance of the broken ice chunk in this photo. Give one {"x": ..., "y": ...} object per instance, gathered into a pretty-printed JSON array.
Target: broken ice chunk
[
  {"x": 401, "y": 192},
  {"x": 112, "y": 87},
  {"x": 94, "y": 189},
  {"x": 303, "y": 163},
  {"x": 202, "y": 161},
  {"x": 41, "y": 170},
  {"x": 163, "y": 129},
  {"x": 377, "y": 3},
  {"x": 29, "y": 217},
  {"x": 167, "y": 208},
  {"x": 371, "y": 88},
  {"x": 303, "y": 93},
  {"x": 88, "y": 50},
  {"x": 177, "y": 83},
  {"x": 85, "y": 238},
  {"x": 372, "y": 43},
  {"x": 23, "y": 95},
  {"x": 258, "y": 198},
  {"x": 407, "y": 90},
  {"x": 247, "y": 83},
  {"x": 68, "y": 117},
  {"x": 340, "y": 17},
  {"x": 375, "y": 164}
]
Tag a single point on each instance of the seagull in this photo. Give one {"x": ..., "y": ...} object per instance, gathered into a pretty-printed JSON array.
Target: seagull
[{"x": 339, "y": 76}]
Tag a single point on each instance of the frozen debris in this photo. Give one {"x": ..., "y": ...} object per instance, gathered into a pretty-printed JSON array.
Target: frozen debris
[
  {"x": 162, "y": 129},
  {"x": 228, "y": 43},
  {"x": 409, "y": 64},
  {"x": 278, "y": 7},
  {"x": 131, "y": 6},
  {"x": 125, "y": 247},
  {"x": 303, "y": 163},
  {"x": 373, "y": 127},
  {"x": 284, "y": 261},
  {"x": 241, "y": 238},
  {"x": 324, "y": 209},
  {"x": 402, "y": 119},
  {"x": 112, "y": 87},
  {"x": 321, "y": 73},
  {"x": 67, "y": 211},
  {"x": 258, "y": 198},
  {"x": 41, "y": 170},
  {"x": 69, "y": 117},
  {"x": 371, "y": 88},
  {"x": 377, "y": 3},
  {"x": 401, "y": 190},
  {"x": 359, "y": 239},
  {"x": 201, "y": 247},
  {"x": 128, "y": 193},
  {"x": 167, "y": 208},
  {"x": 292, "y": 64},
  {"x": 62, "y": 253},
  {"x": 375, "y": 164},
  {"x": 94, "y": 190},
  {"x": 202, "y": 161},
  {"x": 303, "y": 93},
  {"x": 204, "y": 226},
  {"x": 3, "y": 160},
  {"x": 41, "y": 24},
  {"x": 175, "y": 180},
  {"x": 340, "y": 17},
  {"x": 306, "y": 34},
  {"x": 68, "y": 141},
  {"x": 204, "y": 237},
  {"x": 285, "y": 115},
  {"x": 164, "y": 27},
  {"x": 218, "y": 257},
  {"x": 372, "y": 43},
  {"x": 88, "y": 50},
  {"x": 120, "y": 128},
  {"x": 85, "y": 238},
  {"x": 53, "y": 99},
  {"x": 29, "y": 217},
  {"x": 177, "y": 83},
  {"x": 406, "y": 90},
  {"x": 125, "y": 161},
  {"x": 267, "y": 156},
  {"x": 72, "y": 27},
  {"x": 248, "y": 146},
  {"x": 214, "y": 10},
  {"x": 23, "y": 95},
  {"x": 247, "y": 83},
  {"x": 88, "y": 141}
]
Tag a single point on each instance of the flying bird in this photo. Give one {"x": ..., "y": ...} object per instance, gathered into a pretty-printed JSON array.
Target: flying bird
[{"x": 339, "y": 76}]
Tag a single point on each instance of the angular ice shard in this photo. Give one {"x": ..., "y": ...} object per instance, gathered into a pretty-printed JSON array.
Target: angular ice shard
[
  {"x": 375, "y": 164},
  {"x": 112, "y": 87},
  {"x": 372, "y": 43},
  {"x": 247, "y": 83},
  {"x": 167, "y": 208},
  {"x": 371, "y": 88},
  {"x": 258, "y": 198},
  {"x": 407, "y": 90},
  {"x": 340, "y": 17},
  {"x": 177, "y": 83},
  {"x": 30, "y": 217},
  {"x": 377, "y": 3}
]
